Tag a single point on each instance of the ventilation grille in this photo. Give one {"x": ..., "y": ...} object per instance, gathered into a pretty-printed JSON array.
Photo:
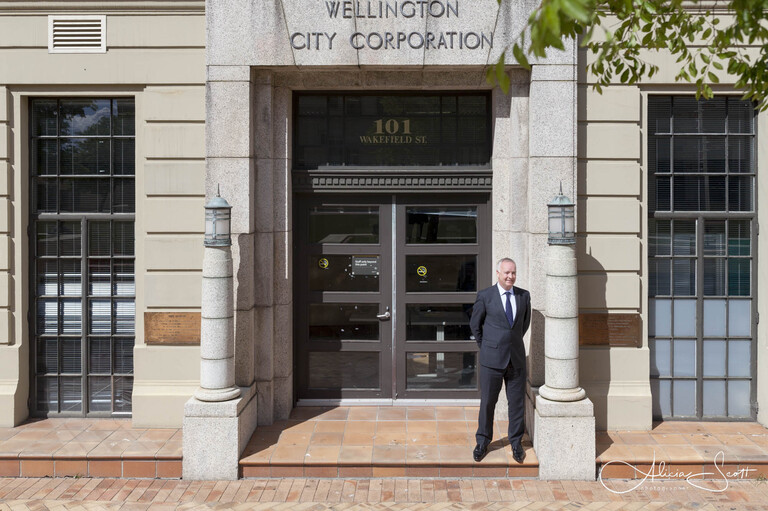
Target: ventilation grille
[{"x": 77, "y": 34}]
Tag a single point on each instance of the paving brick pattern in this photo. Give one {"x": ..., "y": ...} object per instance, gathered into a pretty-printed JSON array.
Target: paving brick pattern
[{"x": 395, "y": 494}]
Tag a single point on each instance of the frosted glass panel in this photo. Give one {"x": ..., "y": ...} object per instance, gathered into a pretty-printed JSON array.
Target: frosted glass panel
[
  {"x": 662, "y": 400},
  {"x": 739, "y": 318},
  {"x": 738, "y": 399},
  {"x": 660, "y": 318},
  {"x": 684, "y": 398},
  {"x": 685, "y": 318},
  {"x": 739, "y": 358},
  {"x": 685, "y": 357},
  {"x": 714, "y": 318},
  {"x": 660, "y": 357},
  {"x": 714, "y": 398},
  {"x": 714, "y": 358}
]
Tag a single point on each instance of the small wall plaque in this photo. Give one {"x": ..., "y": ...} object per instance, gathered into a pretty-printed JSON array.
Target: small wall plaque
[
  {"x": 365, "y": 265},
  {"x": 603, "y": 329},
  {"x": 172, "y": 328}
]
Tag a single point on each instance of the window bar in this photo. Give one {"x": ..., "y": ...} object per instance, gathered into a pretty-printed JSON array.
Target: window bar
[{"x": 699, "y": 293}]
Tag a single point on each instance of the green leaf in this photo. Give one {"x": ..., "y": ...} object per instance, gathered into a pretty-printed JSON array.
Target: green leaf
[
  {"x": 713, "y": 77},
  {"x": 576, "y": 9},
  {"x": 517, "y": 52}
]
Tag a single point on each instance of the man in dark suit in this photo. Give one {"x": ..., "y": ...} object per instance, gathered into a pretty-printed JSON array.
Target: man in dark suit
[{"x": 500, "y": 317}]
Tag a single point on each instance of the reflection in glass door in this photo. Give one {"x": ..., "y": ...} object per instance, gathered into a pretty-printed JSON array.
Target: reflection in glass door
[{"x": 368, "y": 328}]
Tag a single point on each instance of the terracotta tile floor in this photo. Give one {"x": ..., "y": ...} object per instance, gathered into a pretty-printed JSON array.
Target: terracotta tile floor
[
  {"x": 371, "y": 442},
  {"x": 684, "y": 447},
  {"x": 89, "y": 447},
  {"x": 380, "y": 441}
]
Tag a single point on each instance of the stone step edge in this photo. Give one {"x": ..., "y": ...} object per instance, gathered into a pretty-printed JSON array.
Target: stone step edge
[{"x": 80, "y": 466}]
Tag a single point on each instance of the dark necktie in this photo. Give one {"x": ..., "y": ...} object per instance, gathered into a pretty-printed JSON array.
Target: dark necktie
[{"x": 510, "y": 318}]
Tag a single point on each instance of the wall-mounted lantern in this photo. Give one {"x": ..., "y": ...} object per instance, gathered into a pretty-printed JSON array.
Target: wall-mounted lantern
[
  {"x": 562, "y": 227},
  {"x": 218, "y": 214}
]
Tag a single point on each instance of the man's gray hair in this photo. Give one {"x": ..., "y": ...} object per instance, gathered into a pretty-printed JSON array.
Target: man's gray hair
[{"x": 505, "y": 260}]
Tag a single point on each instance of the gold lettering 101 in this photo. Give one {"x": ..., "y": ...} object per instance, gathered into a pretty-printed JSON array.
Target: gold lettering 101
[{"x": 392, "y": 126}]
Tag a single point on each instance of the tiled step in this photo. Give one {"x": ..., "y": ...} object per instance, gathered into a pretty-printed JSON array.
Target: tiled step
[
  {"x": 135, "y": 467},
  {"x": 89, "y": 448},
  {"x": 380, "y": 442},
  {"x": 251, "y": 469}
]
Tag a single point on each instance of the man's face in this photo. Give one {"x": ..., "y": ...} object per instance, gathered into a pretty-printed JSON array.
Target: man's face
[{"x": 507, "y": 274}]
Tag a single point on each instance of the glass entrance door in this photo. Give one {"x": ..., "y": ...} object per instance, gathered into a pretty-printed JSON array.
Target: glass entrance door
[{"x": 384, "y": 291}]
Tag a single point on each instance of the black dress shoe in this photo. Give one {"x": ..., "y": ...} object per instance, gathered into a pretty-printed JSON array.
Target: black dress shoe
[
  {"x": 480, "y": 451},
  {"x": 518, "y": 453}
]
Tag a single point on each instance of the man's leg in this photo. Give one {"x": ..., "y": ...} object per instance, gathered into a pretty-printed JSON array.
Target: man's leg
[
  {"x": 490, "y": 386},
  {"x": 514, "y": 381}
]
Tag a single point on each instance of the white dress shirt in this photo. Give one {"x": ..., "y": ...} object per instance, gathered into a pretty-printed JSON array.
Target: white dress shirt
[{"x": 512, "y": 301}]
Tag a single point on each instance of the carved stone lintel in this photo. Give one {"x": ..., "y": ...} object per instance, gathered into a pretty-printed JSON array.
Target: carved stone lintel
[{"x": 405, "y": 180}]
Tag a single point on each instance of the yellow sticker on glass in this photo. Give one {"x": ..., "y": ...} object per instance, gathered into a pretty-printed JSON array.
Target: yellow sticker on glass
[
  {"x": 323, "y": 263},
  {"x": 422, "y": 271}
]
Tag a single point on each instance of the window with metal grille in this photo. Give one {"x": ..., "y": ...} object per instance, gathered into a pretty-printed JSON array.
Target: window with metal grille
[
  {"x": 82, "y": 246},
  {"x": 701, "y": 260}
]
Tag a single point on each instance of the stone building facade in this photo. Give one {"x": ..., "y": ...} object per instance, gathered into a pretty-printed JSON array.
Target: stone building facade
[{"x": 154, "y": 105}]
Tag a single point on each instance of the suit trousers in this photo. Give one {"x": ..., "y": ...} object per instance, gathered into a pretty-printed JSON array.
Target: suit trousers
[{"x": 490, "y": 386}]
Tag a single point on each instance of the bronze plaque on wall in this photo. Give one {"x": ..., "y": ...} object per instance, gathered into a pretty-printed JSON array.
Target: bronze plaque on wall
[
  {"x": 602, "y": 329},
  {"x": 172, "y": 328}
]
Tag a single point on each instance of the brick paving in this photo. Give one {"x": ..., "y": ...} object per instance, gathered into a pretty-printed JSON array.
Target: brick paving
[{"x": 318, "y": 494}]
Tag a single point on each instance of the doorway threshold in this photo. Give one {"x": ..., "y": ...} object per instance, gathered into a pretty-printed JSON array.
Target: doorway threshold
[{"x": 387, "y": 402}]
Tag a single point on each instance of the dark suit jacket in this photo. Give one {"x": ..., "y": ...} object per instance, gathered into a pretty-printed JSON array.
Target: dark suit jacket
[{"x": 499, "y": 344}]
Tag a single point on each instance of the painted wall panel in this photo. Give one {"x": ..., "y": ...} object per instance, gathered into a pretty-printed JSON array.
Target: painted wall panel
[
  {"x": 179, "y": 289},
  {"x": 608, "y": 253},
  {"x": 121, "y": 67},
  {"x": 175, "y": 103},
  {"x": 609, "y": 291},
  {"x": 167, "y": 177},
  {"x": 616, "y": 103},
  {"x": 174, "y": 215},
  {"x": 608, "y": 215},
  {"x": 173, "y": 252},
  {"x": 174, "y": 140},
  {"x": 609, "y": 140},
  {"x": 601, "y": 177}
]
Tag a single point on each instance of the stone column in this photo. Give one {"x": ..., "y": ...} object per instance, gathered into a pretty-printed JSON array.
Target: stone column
[
  {"x": 561, "y": 327},
  {"x": 217, "y": 328},
  {"x": 564, "y": 437}
]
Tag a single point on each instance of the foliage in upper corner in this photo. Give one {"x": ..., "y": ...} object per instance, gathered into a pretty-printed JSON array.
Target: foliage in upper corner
[{"x": 705, "y": 37}]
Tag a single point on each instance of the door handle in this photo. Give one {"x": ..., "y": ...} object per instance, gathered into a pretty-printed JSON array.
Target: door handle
[{"x": 384, "y": 316}]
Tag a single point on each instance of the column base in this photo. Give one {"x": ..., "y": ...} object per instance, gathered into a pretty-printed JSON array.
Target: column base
[
  {"x": 216, "y": 395},
  {"x": 215, "y": 434},
  {"x": 553, "y": 394},
  {"x": 564, "y": 439}
]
